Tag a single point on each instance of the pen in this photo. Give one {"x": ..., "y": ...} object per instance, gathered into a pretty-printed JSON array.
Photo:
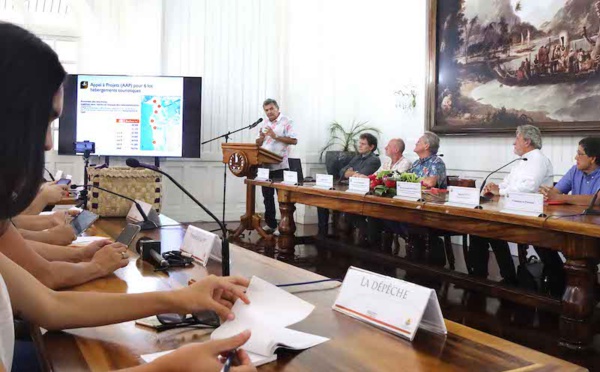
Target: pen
[{"x": 229, "y": 361}]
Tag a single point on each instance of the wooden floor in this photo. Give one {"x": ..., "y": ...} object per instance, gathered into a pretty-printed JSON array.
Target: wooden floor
[{"x": 525, "y": 326}]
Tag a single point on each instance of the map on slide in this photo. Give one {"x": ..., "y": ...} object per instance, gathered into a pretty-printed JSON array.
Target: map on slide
[{"x": 160, "y": 126}]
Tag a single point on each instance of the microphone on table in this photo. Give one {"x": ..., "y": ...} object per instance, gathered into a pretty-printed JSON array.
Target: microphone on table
[
  {"x": 502, "y": 167},
  {"x": 590, "y": 211},
  {"x": 146, "y": 224},
  {"x": 134, "y": 163},
  {"x": 256, "y": 123}
]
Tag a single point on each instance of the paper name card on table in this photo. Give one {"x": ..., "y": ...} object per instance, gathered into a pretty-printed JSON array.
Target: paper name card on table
[
  {"x": 391, "y": 304},
  {"x": 200, "y": 244},
  {"x": 324, "y": 181},
  {"x": 359, "y": 185},
  {"x": 290, "y": 178},
  {"x": 270, "y": 311},
  {"x": 408, "y": 191},
  {"x": 524, "y": 204},
  {"x": 463, "y": 197},
  {"x": 68, "y": 177},
  {"x": 58, "y": 175},
  {"x": 135, "y": 216},
  {"x": 262, "y": 174}
]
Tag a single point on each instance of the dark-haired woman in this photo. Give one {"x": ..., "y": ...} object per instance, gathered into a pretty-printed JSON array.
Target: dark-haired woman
[{"x": 30, "y": 99}]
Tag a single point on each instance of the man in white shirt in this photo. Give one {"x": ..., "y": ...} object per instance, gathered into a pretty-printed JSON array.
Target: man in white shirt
[
  {"x": 276, "y": 136},
  {"x": 396, "y": 162},
  {"x": 526, "y": 176}
]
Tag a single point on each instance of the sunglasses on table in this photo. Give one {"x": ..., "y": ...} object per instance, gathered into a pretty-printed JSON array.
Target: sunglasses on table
[{"x": 207, "y": 319}]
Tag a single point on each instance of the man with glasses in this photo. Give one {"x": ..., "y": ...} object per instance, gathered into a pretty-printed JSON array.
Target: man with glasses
[{"x": 582, "y": 181}]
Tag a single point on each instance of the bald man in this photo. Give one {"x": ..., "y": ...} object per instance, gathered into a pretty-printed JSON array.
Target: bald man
[{"x": 396, "y": 162}]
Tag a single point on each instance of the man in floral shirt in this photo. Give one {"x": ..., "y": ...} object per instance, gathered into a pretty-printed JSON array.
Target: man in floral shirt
[
  {"x": 276, "y": 136},
  {"x": 429, "y": 166}
]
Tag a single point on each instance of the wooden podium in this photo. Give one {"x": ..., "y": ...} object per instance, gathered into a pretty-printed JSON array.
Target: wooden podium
[{"x": 242, "y": 160}]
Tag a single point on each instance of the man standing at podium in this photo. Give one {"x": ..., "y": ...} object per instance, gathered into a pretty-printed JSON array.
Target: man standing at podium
[{"x": 276, "y": 135}]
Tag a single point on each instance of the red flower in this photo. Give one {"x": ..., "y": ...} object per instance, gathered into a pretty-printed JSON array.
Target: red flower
[{"x": 390, "y": 183}]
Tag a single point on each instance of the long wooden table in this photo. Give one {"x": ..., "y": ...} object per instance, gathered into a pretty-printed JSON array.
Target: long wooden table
[
  {"x": 577, "y": 237},
  {"x": 354, "y": 346}
]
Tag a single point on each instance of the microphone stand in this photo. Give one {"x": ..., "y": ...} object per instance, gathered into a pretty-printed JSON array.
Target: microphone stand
[
  {"x": 83, "y": 195},
  {"x": 226, "y": 136},
  {"x": 224, "y": 242}
]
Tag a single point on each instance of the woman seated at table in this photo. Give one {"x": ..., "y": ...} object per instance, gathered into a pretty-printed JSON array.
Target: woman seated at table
[{"x": 30, "y": 99}]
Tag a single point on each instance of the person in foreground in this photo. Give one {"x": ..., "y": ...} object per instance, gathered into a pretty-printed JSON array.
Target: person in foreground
[{"x": 30, "y": 99}]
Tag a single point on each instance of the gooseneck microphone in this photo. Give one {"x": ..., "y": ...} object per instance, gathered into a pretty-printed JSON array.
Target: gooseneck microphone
[
  {"x": 590, "y": 211},
  {"x": 502, "y": 167},
  {"x": 146, "y": 224},
  {"x": 134, "y": 163},
  {"x": 256, "y": 123}
]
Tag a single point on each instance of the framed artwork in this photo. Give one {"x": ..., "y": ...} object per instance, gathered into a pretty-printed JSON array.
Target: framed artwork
[{"x": 497, "y": 64}]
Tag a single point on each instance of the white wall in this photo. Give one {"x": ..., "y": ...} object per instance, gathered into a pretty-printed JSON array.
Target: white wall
[{"x": 322, "y": 60}]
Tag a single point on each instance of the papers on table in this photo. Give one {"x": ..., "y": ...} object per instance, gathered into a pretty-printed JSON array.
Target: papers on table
[
  {"x": 271, "y": 310},
  {"x": 257, "y": 360},
  {"x": 85, "y": 240}
]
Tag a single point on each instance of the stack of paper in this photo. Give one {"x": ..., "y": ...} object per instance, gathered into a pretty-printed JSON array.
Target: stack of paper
[{"x": 270, "y": 311}]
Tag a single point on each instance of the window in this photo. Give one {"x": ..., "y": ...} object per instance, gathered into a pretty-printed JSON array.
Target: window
[{"x": 55, "y": 23}]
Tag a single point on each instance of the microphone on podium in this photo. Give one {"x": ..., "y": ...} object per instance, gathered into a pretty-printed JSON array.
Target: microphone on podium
[
  {"x": 146, "y": 224},
  {"x": 134, "y": 163},
  {"x": 256, "y": 123},
  {"x": 502, "y": 167}
]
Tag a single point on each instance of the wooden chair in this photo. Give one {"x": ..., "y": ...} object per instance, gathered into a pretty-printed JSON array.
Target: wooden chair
[{"x": 447, "y": 235}]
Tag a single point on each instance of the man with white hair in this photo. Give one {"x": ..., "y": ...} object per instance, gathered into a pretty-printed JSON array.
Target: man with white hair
[{"x": 525, "y": 176}]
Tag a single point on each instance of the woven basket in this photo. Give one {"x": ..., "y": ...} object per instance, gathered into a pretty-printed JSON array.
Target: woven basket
[{"x": 138, "y": 184}]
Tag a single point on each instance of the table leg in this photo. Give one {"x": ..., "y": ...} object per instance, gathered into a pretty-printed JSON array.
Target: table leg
[
  {"x": 287, "y": 228},
  {"x": 250, "y": 220},
  {"x": 578, "y": 303}
]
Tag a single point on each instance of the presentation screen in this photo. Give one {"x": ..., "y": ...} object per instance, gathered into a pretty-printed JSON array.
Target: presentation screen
[{"x": 156, "y": 116}]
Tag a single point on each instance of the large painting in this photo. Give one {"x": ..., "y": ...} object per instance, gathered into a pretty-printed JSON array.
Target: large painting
[{"x": 497, "y": 64}]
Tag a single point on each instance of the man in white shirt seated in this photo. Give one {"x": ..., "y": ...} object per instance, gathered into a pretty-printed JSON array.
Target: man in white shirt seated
[
  {"x": 396, "y": 160},
  {"x": 525, "y": 176}
]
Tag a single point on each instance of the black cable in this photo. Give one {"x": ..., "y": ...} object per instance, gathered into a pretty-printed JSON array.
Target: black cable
[{"x": 560, "y": 216}]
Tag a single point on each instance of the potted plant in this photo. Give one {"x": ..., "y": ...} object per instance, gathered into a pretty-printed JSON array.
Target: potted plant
[{"x": 343, "y": 145}]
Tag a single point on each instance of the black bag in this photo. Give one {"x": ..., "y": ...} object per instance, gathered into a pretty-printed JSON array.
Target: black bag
[{"x": 530, "y": 274}]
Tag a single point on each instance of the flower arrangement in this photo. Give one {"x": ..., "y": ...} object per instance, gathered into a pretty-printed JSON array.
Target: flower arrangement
[{"x": 384, "y": 183}]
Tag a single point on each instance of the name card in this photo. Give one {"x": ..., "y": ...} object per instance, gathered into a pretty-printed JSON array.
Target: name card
[
  {"x": 290, "y": 178},
  {"x": 135, "y": 216},
  {"x": 408, "y": 191},
  {"x": 527, "y": 204},
  {"x": 58, "y": 175},
  {"x": 200, "y": 244},
  {"x": 324, "y": 181},
  {"x": 262, "y": 174},
  {"x": 392, "y": 304},
  {"x": 359, "y": 185},
  {"x": 463, "y": 196}
]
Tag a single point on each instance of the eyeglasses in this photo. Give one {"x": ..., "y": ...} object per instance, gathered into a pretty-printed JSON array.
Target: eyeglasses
[
  {"x": 201, "y": 319},
  {"x": 175, "y": 259},
  {"x": 579, "y": 154}
]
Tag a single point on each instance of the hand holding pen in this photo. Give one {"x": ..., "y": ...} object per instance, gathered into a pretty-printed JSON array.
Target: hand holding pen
[{"x": 211, "y": 356}]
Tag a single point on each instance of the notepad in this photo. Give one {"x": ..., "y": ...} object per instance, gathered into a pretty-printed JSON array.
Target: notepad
[{"x": 270, "y": 311}]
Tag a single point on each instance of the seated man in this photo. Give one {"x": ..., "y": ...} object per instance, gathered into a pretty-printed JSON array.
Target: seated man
[
  {"x": 431, "y": 167},
  {"x": 525, "y": 176},
  {"x": 583, "y": 182},
  {"x": 363, "y": 164},
  {"x": 395, "y": 152}
]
